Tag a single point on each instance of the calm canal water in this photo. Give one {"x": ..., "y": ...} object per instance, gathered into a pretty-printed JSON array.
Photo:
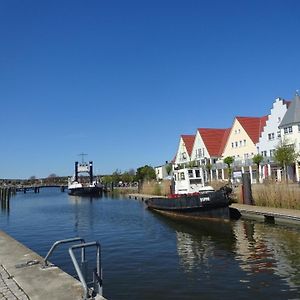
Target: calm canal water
[{"x": 147, "y": 256}]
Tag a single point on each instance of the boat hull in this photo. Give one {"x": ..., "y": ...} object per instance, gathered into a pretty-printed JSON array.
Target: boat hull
[
  {"x": 85, "y": 191},
  {"x": 210, "y": 205}
]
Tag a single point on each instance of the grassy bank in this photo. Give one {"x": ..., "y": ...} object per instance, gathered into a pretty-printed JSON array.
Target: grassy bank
[
  {"x": 161, "y": 188},
  {"x": 279, "y": 195}
]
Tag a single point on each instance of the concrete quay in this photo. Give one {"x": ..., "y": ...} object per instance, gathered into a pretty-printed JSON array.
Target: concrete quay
[
  {"x": 22, "y": 276},
  {"x": 253, "y": 212}
]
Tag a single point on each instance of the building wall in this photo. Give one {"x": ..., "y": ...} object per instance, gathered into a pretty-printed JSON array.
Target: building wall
[
  {"x": 160, "y": 172},
  {"x": 239, "y": 145},
  {"x": 182, "y": 155},
  {"x": 199, "y": 151},
  {"x": 271, "y": 134}
]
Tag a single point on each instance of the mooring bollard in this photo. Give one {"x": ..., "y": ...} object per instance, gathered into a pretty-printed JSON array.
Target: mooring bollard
[{"x": 246, "y": 189}]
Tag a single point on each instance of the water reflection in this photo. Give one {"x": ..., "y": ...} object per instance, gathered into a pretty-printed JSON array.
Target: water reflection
[
  {"x": 263, "y": 248},
  {"x": 261, "y": 257},
  {"x": 83, "y": 212},
  {"x": 5, "y": 202},
  {"x": 199, "y": 241}
]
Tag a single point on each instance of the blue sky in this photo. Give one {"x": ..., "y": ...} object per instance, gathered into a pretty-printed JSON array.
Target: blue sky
[{"x": 122, "y": 80}]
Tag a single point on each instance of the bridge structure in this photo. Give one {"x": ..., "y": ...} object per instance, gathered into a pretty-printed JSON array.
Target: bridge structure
[{"x": 36, "y": 188}]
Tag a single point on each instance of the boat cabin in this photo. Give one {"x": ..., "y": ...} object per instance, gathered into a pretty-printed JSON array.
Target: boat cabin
[{"x": 190, "y": 180}]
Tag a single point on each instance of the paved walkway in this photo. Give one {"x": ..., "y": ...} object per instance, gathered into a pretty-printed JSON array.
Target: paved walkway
[
  {"x": 22, "y": 276},
  {"x": 9, "y": 289}
]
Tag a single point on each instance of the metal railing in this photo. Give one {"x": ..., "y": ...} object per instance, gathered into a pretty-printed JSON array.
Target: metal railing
[
  {"x": 82, "y": 271},
  {"x": 97, "y": 272},
  {"x": 66, "y": 241}
]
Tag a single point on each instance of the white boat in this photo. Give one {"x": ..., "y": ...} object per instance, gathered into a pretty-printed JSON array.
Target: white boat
[
  {"x": 189, "y": 181},
  {"x": 79, "y": 186}
]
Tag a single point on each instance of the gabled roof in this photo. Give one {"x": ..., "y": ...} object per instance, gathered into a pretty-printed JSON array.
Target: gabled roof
[
  {"x": 253, "y": 126},
  {"x": 292, "y": 115},
  {"x": 214, "y": 139},
  {"x": 224, "y": 141},
  {"x": 188, "y": 142},
  {"x": 287, "y": 103}
]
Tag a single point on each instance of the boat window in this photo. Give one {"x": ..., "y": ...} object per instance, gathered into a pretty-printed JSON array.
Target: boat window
[
  {"x": 190, "y": 173},
  {"x": 182, "y": 176},
  {"x": 197, "y": 173}
]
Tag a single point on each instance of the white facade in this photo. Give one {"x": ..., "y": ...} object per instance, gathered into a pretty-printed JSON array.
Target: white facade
[
  {"x": 183, "y": 155},
  {"x": 199, "y": 152},
  {"x": 271, "y": 135},
  {"x": 161, "y": 172}
]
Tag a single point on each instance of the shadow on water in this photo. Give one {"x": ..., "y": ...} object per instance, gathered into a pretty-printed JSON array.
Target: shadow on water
[{"x": 218, "y": 230}]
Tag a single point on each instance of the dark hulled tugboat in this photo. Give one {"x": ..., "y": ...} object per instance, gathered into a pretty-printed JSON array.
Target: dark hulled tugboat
[{"x": 193, "y": 199}]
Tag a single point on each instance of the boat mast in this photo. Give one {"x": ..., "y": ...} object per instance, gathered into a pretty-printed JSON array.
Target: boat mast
[{"x": 82, "y": 157}]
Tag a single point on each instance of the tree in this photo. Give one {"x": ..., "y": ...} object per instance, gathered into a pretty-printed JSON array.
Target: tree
[
  {"x": 228, "y": 161},
  {"x": 257, "y": 159},
  {"x": 116, "y": 176},
  {"x": 145, "y": 173},
  {"x": 128, "y": 176},
  {"x": 286, "y": 155}
]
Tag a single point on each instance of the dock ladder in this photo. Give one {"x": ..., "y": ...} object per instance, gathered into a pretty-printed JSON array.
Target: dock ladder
[{"x": 91, "y": 288}]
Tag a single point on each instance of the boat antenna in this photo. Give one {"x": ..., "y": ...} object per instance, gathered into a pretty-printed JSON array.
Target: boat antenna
[{"x": 82, "y": 157}]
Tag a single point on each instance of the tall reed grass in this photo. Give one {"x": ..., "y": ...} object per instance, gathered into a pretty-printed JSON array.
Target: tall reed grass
[
  {"x": 279, "y": 195},
  {"x": 161, "y": 188}
]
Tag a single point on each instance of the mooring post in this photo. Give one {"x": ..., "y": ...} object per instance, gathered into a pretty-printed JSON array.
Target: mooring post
[{"x": 246, "y": 189}]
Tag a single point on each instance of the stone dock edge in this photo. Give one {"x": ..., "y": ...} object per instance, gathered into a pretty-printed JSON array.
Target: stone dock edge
[{"x": 22, "y": 275}]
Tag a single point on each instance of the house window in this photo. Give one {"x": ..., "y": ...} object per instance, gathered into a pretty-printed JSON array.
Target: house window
[
  {"x": 246, "y": 155},
  {"x": 279, "y": 119},
  {"x": 278, "y": 134},
  {"x": 290, "y": 129},
  {"x": 271, "y": 136},
  {"x": 190, "y": 173},
  {"x": 272, "y": 152},
  {"x": 236, "y": 144},
  {"x": 182, "y": 176},
  {"x": 197, "y": 173},
  {"x": 240, "y": 143},
  {"x": 232, "y": 145},
  {"x": 244, "y": 142}
]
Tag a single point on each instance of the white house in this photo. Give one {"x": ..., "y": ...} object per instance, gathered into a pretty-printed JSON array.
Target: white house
[
  {"x": 270, "y": 138},
  {"x": 290, "y": 131},
  {"x": 161, "y": 171},
  {"x": 208, "y": 148},
  {"x": 184, "y": 151}
]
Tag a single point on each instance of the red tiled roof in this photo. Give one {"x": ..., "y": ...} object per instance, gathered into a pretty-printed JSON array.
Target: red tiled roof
[
  {"x": 214, "y": 139},
  {"x": 253, "y": 126},
  {"x": 189, "y": 142},
  {"x": 224, "y": 141}
]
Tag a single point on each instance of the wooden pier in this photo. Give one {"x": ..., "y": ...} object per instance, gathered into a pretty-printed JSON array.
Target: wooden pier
[{"x": 260, "y": 213}]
